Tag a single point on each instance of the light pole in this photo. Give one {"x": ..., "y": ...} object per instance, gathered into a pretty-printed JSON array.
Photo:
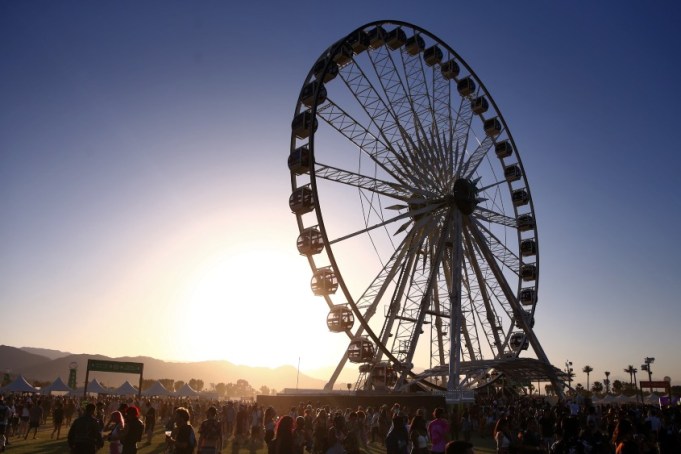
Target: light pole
[{"x": 648, "y": 361}]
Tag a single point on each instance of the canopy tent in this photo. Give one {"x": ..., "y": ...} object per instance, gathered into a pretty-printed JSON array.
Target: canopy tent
[
  {"x": 652, "y": 399},
  {"x": 94, "y": 387},
  {"x": 57, "y": 386},
  {"x": 157, "y": 389},
  {"x": 126, "y": 389},
  {"x": 186, "y": 391},
  {"x": 622, "y": 399},
  {"x": 20, "y": 385},
  {"x": 608, "y": 399}
]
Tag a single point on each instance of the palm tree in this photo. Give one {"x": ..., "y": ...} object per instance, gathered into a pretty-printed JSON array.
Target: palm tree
[
  {"x": 597, "y": 387},
  {"x": 587, "y": 370},
  {"x": 607, "y": 382},
  {"x": 631, "y": 370}
]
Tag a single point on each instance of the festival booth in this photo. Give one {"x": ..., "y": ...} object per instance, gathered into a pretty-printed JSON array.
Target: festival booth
[
  {"x": 20, "y": 385},
  {"x": 57, "y": 387},
  {"x": 156, "y": 390},
  {"x": 126, "y": 389}
]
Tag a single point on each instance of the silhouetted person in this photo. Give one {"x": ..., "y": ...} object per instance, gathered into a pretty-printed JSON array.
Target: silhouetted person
[
  {"x": 282, "y": 443},
  {"x": 84, "y": 436},
  {"x": 397, "y": 440},
  {"x": 184, "y": 439},
  {"x": 57, "y": 419},
  {"x": 459, "y": 447},
  {"x": 134, "y": 429}
]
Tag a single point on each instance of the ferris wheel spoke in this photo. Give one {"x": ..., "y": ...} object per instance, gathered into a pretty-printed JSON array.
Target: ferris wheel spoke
[
  {"x": 489, "y": 257},
  {"x": 501, "y": 252},
  {"x": 465, "y": 344},
  {"x": 485, "y": 308},
  {"x": 476, "y": 157},
  {"x": 487, "y": 215},
  {"x": 367, "y": 96},
  {"x": 418, "y": 97},
  {"x": 462, "y": 127},
  {"x": 423, "y": 285},
  {"x": 397, "y": 314},
  {"x": 408, "y": 215},
  {"x": 425, "y": 124},
  {"x": 376, "y": 290},
  {"x": 353, "y": 130},
  {"x": 421, "y": 163},
  {"x": 467, "y": 313},
  {"x": 395, "y": 85},
  {"x": 388, "y": 189},
  {"x": 484, "y": 189},
  {"x": 409, "y": 292},
  {"x": 497, "y": 305},
  {"x": 442, "y": 109},
  {"x": 510, "y": 297},
  {"x": 393, "y": 88},
  {"x": 469, "y": 328}
]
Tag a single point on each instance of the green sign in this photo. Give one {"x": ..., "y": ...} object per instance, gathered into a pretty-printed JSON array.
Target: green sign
[
  {"x": 114, "y": 366},
  {"x": 72, "y": 379}
]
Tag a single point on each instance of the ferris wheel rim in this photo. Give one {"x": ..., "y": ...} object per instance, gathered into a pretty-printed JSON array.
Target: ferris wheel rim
[{"x": 313, "y": 173}]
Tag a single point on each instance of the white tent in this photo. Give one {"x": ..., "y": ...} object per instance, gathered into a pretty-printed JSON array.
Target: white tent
[
  {"x": 157, "y": 389},
  {"x": 622, "y": 399},
  {"x": 57, "y": 386},
  {"x": 186, "y": 391},
  {"x": 608, "y": 399},
  {"x": 126, "y": 389},
  {"x": 20, "y": 385},
  {"x": 652, "y": 399}
]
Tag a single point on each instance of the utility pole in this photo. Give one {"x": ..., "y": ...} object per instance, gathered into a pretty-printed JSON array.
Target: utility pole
[
  {"x": 648, "y": 361},
  {"x": 568, "y": 370}
]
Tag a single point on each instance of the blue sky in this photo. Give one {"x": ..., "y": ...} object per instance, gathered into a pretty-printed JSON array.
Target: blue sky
[{"x": 143, "y": 152}]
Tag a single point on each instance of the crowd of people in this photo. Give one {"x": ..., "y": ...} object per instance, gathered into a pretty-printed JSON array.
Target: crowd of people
[{"x": 513, "y": 425}]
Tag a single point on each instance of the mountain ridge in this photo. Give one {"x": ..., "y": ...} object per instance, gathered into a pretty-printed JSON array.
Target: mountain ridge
[{"x": 34, "y": 366}]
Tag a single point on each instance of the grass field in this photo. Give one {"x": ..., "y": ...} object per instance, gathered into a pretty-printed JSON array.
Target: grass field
[{"x": 44, "y": 445}]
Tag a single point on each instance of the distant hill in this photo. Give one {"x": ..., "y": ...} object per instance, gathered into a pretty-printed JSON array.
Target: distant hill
[
  {"x": 49, "y": 353},
  {"x": 16, "y": 359},
  {"x": 44, "y": 368}
]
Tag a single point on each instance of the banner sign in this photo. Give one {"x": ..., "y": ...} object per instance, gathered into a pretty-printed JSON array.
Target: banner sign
[
  {"x": 653, "y": 384},
  {"x": 114, "y": 366}
]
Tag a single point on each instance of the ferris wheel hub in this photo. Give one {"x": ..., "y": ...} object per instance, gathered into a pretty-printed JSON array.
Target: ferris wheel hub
[{"x": 465, "y": 195}]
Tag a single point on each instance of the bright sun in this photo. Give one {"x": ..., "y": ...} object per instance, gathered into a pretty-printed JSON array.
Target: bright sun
[{"x": 254, "y": 306}]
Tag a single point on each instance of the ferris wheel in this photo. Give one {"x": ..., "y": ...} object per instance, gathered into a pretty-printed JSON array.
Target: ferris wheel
[{"x": 414, "y": 212}]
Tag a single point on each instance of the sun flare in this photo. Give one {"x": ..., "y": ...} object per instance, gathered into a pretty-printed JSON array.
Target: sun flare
[{"x": 255, "y": 307}]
